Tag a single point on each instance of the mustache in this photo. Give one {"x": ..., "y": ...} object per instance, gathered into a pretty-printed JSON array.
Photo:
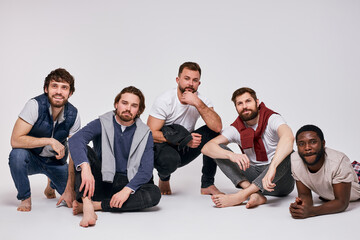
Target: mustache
[{"x": 126, "y": 111}]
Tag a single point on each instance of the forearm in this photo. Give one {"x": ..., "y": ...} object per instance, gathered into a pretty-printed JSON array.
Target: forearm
[
  {"x": 214, "y": 150},
  {"x": 30, "y": 142},
  {"x": 210, "y": 117},
  {"x": 334, "y": 206},
  {"x": 283, "y": 149},
  {"x": 71, "y": 175},
  {"x": 158, "y": 136}
]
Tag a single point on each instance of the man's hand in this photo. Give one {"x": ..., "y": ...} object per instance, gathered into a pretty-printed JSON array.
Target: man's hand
[
  {"x": 88, "y": 181},
  {"x": 68, "y": 196},
  {"x": 58, "y": 148},
  {"x": 240, "y": 159},
  {"x": 189, "y": 98},
  {"x": 119, "y": 198},
  {"x": 196, "y": 140},
  {"x": 268, "y": 178},
  {"x": 299, "y": 209}
]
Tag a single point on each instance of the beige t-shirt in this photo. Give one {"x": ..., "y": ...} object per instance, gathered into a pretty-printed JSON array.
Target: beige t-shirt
[{"x": 337, "y": 168}]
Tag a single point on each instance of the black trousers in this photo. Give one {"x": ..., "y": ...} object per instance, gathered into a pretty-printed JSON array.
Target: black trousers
[
  {"x": 168, "y": 158},
  {"x": 148, "y": 195}
]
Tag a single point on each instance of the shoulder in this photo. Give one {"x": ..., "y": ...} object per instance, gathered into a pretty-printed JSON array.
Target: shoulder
[{"x": 335, "y": 158}]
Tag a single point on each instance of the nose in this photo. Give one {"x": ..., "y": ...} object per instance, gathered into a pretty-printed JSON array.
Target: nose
[{"x": 307, "y": 146}]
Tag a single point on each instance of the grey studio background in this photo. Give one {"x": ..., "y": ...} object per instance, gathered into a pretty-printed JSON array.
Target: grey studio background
[{"x": 302, "y": 58}]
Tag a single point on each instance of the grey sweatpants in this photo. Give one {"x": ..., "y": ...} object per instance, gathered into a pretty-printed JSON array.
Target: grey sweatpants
[{"x": 254, "y": 174}]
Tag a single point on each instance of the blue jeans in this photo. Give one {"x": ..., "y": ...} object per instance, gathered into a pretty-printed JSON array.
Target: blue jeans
[{"x": 23, "y": 163}]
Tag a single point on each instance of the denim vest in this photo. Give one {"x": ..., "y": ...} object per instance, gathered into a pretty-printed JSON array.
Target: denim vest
[{"x": 44, "y": 125}]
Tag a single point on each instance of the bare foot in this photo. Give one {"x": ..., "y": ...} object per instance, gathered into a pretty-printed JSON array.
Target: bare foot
[
  {"x": 164, "y": 187},
  {"x": 77, "y": 207},
  {"x": 89, "y": 217},
  {"x": 227, "y": 200},
  {"x": 49, "y": 192},
  {"x": 256, "y": 199},
  {"x": 25, "y": 205},
  {"x": 211, "y": 190}
]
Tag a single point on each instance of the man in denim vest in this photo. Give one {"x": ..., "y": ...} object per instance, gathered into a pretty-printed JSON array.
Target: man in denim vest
[{"x": 39, "y": 140}]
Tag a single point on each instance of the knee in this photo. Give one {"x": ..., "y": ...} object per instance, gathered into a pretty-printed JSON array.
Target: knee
[
  {"x": 167, "y": 163},
  {"x": 18, "y": 158},
  {"x": 155, "y": 195}
]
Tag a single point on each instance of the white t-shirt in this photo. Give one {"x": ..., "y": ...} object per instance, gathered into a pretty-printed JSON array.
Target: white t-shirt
[
  {"x": 337, "y": 168},
  {"x": 168, "y": 107},
  {"x": 270, "y": 138},
  {"x": 30, "y": 114}
]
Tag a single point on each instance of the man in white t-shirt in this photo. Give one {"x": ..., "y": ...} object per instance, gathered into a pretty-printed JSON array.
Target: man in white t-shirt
[
  {"x": 325, "y": 171},
  {"x": 172, "y": 121},
  {"x": 39, "y": 140},
  {"x": 266, "y": 142}
]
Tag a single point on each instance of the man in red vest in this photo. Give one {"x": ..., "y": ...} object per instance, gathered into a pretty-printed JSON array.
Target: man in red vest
[{"x": 263, "y": 167}]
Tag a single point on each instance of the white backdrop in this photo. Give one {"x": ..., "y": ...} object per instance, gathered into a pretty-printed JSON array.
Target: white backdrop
[{"x": 302, "y": 57}]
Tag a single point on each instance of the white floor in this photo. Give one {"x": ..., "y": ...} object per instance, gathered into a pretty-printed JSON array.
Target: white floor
[{"x": 185, "y": 214}]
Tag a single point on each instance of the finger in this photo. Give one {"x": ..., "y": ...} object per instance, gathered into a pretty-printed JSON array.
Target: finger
[
  {"x": 86, "y": 190},
  {"x": 58, "y": 202},
  {"x": 81, "y": 186}
]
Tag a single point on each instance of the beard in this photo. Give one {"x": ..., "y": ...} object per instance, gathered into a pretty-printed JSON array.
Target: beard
[
  {"x": 190, "y": 89},
  {"x": 252, "y": 115},
  {"x": 57, "y": 104},
  {"x": 125, "y": 118},
  {"x": 319, "y": 155}
]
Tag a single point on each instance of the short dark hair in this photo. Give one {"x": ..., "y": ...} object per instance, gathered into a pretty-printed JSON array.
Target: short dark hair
[
  {"x": 241, "y": 91},
  {"x": 135, "y": 91},
  {"x": 189, "y": 65},
  {"x": 311, "y": 128},
  {"x": 60, "y": 75}
]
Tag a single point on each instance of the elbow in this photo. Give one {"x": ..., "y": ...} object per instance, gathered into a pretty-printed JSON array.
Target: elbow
[{"x": 13, "y": 143}]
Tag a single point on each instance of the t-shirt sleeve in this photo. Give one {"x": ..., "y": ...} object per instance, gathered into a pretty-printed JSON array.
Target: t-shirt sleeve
[
  {"x": 77, "y": 125},
  {"x": 159, "y": 109},
  {"x": 344, "y": 173},
  {"x": 232, "y": 135},
  {"x": 275, "y": 121},
  {"x": 294, "y": 158},
  {"x": 30, "y": 112}
]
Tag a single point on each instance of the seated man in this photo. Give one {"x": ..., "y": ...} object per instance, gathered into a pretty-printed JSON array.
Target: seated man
[
  {"x": 116, "y": 175},
  {"x": 39, "y": 140},
  {"x": 325, "y": 171},
  {"x": 266, "y": 142}
]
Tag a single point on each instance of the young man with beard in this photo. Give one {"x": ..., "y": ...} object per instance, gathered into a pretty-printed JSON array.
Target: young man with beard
[
  {"x": 39, "y": 140},
  {"x": 116, "y": 174},
  {"x": 172, "y": 120},
  {"x": 266, "y": 142},
  {"x": 325, "y": 171}
]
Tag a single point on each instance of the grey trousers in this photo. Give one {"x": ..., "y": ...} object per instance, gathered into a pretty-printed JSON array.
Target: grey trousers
[{"x": 254, "y": 174}]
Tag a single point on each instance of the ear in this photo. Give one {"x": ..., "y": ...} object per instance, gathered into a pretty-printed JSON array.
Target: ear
[
  {"x": 257, "y": 102},
  {"x": 199, "y": 83},
  {"x": 46, "y": 90},
  {"x": 116, "y": 105},
  {"x": 323, "y": 143}
]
